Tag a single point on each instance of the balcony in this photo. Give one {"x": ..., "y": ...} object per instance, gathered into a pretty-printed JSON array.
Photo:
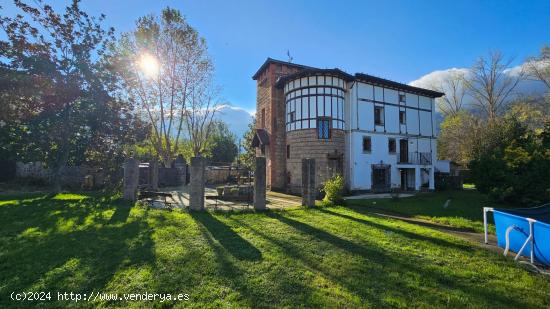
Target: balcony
[{"x": 419, "y": 158}]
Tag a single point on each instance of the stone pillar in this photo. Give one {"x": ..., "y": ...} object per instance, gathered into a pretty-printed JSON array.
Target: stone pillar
[
  {"x": 181, "y": 168},
  {"x": 259, "y": 184},
  {"x": 196, "y": 187},
  {"x": 308, "y": 182},
  {"x": 131, "y": 179},
  {"x": 432, "y": 179},
  {"x": 417, "y": 178},
  {"x": 154, "y": 174}
]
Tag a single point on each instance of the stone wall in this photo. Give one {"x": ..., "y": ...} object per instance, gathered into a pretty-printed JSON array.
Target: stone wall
[
  {"x": 70, "y": 176},
  {"x": 305, "y": 144},
  {"x": 221, "y": 174}
]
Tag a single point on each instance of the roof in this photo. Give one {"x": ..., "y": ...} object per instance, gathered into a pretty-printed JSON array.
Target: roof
[
  {"x": 308, "y": 71},
  {"x": 314, "y": 71},
  {"x": 393, "y": 84},
  {"x": 260, "y": 138},
  {"x": 271, "y": 60}
]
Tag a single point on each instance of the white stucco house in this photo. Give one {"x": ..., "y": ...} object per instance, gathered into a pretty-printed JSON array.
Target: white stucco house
[{"x": 378, "y": 133}]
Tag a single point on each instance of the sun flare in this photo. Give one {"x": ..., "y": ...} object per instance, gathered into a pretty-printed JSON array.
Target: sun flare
[{"x": 149, "y": 65}]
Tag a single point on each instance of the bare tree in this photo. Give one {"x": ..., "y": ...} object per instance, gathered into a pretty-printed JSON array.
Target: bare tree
[
  {"x": 167, "y": 72},
  {"x": 491, "y": 83},
  {"x": 538, "y": 68},
  {"x": 198, "y": 117},
  {"x": 453, "y": 88}
]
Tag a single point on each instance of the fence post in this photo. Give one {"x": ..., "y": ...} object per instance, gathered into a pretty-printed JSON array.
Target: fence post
[
  {"x": 131, "y": 179},
  {"x": 308, "y": 182},
  {"x": 154, "y": 174},
  {"x": 259, "y": 184},
  {"x": 196, "y": 188}
]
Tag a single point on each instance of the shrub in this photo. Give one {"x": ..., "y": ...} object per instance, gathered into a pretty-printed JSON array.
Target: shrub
[
  {"x": 334, "y": 190},
  {"x": 514, "y": 169}
]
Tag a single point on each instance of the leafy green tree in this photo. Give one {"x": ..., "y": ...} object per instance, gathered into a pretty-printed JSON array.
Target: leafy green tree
[
  {"x": 223, "y": 144},
  {"x": 57, "y": 87},
  {"x": 249, "y": 156},
  {"x": 514, "y": 165},
  {"x": 456, "y": 136}
]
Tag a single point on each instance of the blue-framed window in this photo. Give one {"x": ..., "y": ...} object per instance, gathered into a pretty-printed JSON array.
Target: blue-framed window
[{"x": 323, "y": 127}]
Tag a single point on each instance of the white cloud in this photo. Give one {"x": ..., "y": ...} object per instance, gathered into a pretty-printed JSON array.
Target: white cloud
[
  {"x": 525, "y": 87},
  {"x": 436, "y": 77},
  {"x": 237, "y": 118}
]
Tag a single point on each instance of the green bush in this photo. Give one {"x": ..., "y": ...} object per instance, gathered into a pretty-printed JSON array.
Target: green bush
[
  {"x": 515, "y": 167},
  {"x": 334, "y": 190}
]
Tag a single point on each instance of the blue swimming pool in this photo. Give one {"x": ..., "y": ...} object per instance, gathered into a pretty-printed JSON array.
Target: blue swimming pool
[{"x": 524, "y": 231}]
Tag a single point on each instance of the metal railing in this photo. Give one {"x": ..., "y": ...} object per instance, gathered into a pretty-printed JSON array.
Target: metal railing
[{"x": 422, "y": 158}]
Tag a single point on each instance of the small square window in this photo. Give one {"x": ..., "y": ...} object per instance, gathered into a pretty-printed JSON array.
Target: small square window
[
  {"x": 402, "y": 98},
  {"x": 367, "y": 146},
  {"x": 391, "y": 145},
  {"x": 402, "y": 117},
  {"x": 378, "y": 115}
]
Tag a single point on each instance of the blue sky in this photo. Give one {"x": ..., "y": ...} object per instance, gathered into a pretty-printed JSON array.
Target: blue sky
[{"x": 399, "y": 40}]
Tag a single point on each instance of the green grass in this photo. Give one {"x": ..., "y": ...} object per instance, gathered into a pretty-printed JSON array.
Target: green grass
[
  {"x": 322, "y": 257},
  {"x": 464, "y": 210}
]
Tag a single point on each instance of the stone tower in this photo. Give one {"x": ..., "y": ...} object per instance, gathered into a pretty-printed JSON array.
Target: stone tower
[{"x": 270, "y": 117}]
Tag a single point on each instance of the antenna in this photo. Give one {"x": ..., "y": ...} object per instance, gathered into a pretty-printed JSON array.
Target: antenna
[{"x": 289, "y": 57}]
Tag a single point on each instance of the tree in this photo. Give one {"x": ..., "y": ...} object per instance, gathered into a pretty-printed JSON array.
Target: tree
[
  {"x": 453, "y": 87},
  {"x": 490, "y": 84},
  {"x": 249, "y": 156},
  {"x": 532, "y": 112},
  {"x": 538, "y": 68},
  {"x": 457, "y": 132},
  {"x": 515, "y": 167},
  {"x": 168, "y": 73},
  {"x": 58, "y": 90},
  {"x": 223, "y": 144}
]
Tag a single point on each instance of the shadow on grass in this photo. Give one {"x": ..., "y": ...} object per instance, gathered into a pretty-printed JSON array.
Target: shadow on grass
[
  {"x": 386, "y": 273},
  {"x": 410, "y": 235},
  {"x": 59, "y": 244},
  {"x": 239, "y": 247}
]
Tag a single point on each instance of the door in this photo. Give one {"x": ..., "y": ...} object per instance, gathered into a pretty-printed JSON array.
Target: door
[
  {"x": 403, "y": 151},
  {"x": 334, "y": 167},
  {"x": 380, "y": 178}
]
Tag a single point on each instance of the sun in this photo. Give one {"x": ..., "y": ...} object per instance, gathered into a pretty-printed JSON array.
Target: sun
[{"x": 149, "y": 65}]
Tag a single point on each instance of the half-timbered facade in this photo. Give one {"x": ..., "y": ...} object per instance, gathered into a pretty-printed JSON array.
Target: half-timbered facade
[{"x": 378, "y": 133}]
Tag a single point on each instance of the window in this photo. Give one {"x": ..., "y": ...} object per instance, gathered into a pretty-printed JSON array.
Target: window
[
  {"x": 402, "y": 98},
  {"x": 402, "y": 117},
  {"x": 378, "y": 115},
  {"x": 391, "y": 145},
  {"x": 323, "y": 127},
  {"x": 262, "y": 122},
  {"x": 288, "y": 151},
  {"x": 292, "y": 116},
  {"x": 366, "y": 144}
]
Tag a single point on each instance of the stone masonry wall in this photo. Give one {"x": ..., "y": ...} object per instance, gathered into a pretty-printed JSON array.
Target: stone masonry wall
[
  {"x": 272, "y": 100},
  {"x": 305, "y": 144}
]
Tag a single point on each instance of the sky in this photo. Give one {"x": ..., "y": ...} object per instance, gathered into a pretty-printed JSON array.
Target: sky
[{"x": 397, "y": 40}]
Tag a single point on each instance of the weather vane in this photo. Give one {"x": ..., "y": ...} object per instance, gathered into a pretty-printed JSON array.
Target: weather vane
[{"x": 289, "y": 57}]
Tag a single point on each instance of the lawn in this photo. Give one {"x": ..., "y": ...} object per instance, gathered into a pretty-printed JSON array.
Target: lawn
[
  {"x": 464, "y": 209},
  {"x": 322, "y": 257}
]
